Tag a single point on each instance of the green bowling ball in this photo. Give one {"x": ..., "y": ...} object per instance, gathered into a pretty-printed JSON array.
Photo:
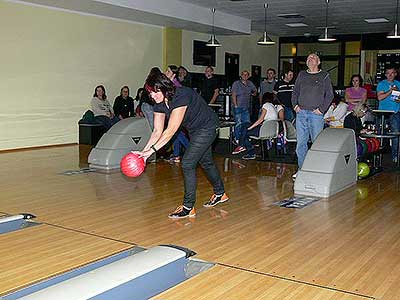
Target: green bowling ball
[{"x": 362, "y": 170}]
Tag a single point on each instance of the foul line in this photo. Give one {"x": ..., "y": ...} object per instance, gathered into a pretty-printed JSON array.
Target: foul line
[{"x": 297, "y": 281}]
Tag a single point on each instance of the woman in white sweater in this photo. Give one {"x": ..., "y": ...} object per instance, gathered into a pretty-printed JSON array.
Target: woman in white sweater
[
  {"x": 102, "y": 109},
  {"x": 336, "y": 113},
  {"x": 268, "y": 112}
]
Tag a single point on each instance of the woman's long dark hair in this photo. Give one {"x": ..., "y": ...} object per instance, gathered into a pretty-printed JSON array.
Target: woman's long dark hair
[
  {"x": 104, "y": 91},
  {"x": 125, "y": 87},
  {"x": 158, "y": 82},
  {"x": 139, "y": 93},
  {"x": 359, "y": 78}
]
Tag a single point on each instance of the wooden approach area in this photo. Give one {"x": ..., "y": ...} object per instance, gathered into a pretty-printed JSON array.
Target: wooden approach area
[{"x": 343, "y": 248}]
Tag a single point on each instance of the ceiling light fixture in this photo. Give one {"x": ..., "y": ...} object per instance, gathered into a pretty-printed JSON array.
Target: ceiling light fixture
[
  {"x": 376, "y": 20},
  {"x": 395, "y": 34},
  {"x": 265, "y": 39},
  {"x": 325, "y": 37},
  {"x": 213, "y": 42},
  {"x": 296, "y": 25}
]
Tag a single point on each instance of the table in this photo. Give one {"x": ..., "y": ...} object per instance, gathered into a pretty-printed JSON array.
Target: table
[
  {"x": 382, "y": 114},
  {"x": 381, "y": 137}
]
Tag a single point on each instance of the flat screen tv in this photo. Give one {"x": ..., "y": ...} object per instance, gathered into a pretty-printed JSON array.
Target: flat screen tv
[{"x": 203, "y": 55}]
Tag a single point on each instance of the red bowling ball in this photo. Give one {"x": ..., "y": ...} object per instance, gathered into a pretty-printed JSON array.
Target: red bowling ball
[
  {"x": 132, "y": 165},
  {"x": 370, "y": 145},
  {"x": 377, "y": 144}
]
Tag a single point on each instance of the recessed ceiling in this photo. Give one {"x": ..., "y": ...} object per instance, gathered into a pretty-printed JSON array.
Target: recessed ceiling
[
  {"x": 242, "y": 17},
  {"x": 346, "y": 15}
]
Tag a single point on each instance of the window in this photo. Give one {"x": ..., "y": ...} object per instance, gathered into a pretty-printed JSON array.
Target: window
[{"x": 202, "y": 54}]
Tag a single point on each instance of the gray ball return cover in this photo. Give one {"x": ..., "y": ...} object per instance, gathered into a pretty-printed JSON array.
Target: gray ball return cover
[
  {"x": 330, "y": 165},
  {"x": 127, "y": 135}
]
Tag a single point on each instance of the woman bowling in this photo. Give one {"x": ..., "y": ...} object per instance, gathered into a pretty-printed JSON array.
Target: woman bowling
[{"x": 182, "y": 106}]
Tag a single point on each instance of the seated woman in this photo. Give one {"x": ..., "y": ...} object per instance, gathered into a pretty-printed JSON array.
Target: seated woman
[
  {"x": 355, "y": 94},
  {"x": 102, "y": 110},
  {"x": 353, "y": 119},
  {"x": 123, "y": 105},
  {"x": 140, "y": 94},
  {"x": 268, "y": 113},
  {"x": 336, "y": 113},
  {"x": 184, "y": 77},
  {"x": 278, "y": 106}
]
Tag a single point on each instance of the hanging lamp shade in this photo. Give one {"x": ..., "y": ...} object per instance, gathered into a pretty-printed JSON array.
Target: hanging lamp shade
[
  {"x": 325, "y": 37},
  {"x": 213, "y": 42},
  {"x": 265, "y": 39},
  {"x": 394, "y": 34}
]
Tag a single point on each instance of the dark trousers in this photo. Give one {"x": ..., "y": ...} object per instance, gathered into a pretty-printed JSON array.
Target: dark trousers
[
  {"x": 395, "y": 127},
  {"x": 199, "y": 151},
  {"x": 106, "y": 121},
  {"x": 245, "y": 141}
]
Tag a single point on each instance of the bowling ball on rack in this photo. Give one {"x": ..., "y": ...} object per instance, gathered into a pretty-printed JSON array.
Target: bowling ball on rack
[
  {"x": 377, "y": 144},
  {"x": 365, "y": 147},
  {"x": 359, "y": 149},
  {"x": 132, "y": 165},
  {"x": 363, "y": 170},
  {"x": 370, "y": 145}
]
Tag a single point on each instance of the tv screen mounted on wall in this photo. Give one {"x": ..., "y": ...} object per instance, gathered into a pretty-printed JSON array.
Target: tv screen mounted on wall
[{"x": 203, "y": 55}]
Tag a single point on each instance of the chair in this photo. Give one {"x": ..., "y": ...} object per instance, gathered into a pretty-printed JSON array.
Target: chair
[
  {"x": 289, "y": 132},
  {"x": 269, "y": 130},
  {"x": 289, "y": 135}
]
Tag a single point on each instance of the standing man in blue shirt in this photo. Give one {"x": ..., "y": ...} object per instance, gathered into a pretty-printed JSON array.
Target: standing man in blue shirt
[
  {"x": 242, "y": 90},
  {"x": 387, "y": 102}
]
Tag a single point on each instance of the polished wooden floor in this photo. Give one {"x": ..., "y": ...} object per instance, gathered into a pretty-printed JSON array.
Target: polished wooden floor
[{"x": 346, "y": 247}]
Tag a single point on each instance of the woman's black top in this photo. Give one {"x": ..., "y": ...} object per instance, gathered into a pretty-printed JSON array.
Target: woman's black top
[
  {"x": 124, "y": 107},
  {"x": 198, "y": 114},
  {"x": 352, "y": 122}
]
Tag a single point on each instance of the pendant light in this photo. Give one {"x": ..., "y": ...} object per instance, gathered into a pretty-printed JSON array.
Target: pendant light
[
  {"x": 394, "y": 34},
  {"x": 265, "y": 39},
  {"x": 213, "y": 42},
  {"x": 325, "y": 37}
]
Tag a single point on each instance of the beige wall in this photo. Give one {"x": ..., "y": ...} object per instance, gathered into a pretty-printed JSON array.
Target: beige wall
[
  {"x": 246, "y": 46},
  {"x": 50, "y": 63},
  {"x": 172, "y": 47}
]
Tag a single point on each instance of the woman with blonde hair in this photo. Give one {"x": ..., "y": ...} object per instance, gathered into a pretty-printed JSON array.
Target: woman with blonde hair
[{"x": 353, "y": 119}]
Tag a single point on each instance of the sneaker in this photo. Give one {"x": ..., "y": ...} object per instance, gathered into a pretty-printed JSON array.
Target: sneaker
[
  {"x": 249, "y": 156},
  {"x": 238, "y": 149},
  {"x": 175, "y": 159},
  {"x": 182, "y": 212},
  {"x": 215, "y": 199},
  {"x": 238, "y": 164},
  {"x": 294, "y": 176}
]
